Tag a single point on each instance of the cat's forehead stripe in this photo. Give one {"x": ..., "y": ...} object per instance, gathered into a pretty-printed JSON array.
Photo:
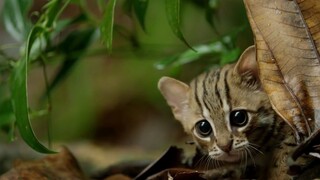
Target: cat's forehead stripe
[
  {"x": 227, "y": 89},
  {"x": 205, "y": 92},
  {"x": 199, "y": 92},
  {"x": 222, "y": 83},
  {"x": 196, "y": 94},
  {"x": 217, "y": 77}
]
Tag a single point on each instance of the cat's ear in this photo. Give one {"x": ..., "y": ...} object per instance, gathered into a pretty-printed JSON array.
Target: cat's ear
[
  {"x": 247, "y": 63},
  {"x": 176, "y": 93}
]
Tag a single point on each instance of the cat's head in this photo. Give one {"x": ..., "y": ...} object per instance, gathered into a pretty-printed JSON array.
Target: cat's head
[{"x": 225, "y": 109}]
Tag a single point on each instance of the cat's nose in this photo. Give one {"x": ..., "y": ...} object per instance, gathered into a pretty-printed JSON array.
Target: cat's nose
[{"x": 226, "y": 147}]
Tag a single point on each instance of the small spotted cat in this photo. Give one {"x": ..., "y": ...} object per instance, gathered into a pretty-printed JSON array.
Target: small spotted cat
[{"x": 231, "y": 120}]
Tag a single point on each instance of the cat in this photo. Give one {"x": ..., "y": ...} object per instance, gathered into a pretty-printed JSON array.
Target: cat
[{"x": 231, "y": 120}]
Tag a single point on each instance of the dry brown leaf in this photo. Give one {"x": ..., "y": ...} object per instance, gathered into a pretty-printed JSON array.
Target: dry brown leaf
[
  {"x": 118, "y": 177},
  {"x": 57, "y": 166},
  {"x": 287, "y": 39},
  {"x": 172, "y": 158},
  {"x": 178, "y": 174}
]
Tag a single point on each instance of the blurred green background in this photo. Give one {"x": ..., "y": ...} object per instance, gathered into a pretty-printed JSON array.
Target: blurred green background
[{"x": 113, "y": 98}]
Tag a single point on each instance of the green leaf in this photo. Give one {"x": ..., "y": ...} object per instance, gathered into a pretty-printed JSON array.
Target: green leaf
[
  {"x": 35, "y": 35},
  {"x": 140, "y": 9},
  {"x": 20, "y": 95},
  {"x": 39, "y": 33},
  {"x": 191, "y": 55},
  {"x": 53, "y": 10},
  {"x": 20, "y": 106},
  {"x": 173, "y": 16},
  {"x": 14, "y": 14},
  {"x": 106, "y": 27},
  {"x": 18, "y": 79},
  {"x": 166, "y": 62}
]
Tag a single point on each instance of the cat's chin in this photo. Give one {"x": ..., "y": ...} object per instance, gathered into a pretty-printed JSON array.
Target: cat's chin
[{"x": 232, "y": 158}]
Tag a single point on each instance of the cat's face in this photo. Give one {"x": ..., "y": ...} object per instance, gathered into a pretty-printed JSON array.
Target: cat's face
[
  {"x": 227, "y": 117},
  {"x": 224, "y": 110}
]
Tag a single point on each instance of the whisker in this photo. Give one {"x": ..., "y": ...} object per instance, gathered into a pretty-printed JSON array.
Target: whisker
[
  {"x": 216, "y": 164},
  {"x": 255, "y": 145},
  {"x": 200, "y": 161},
  {"x": 246, "y": 155},
  {"x": 219, "y": 163},
  {"x": 206, "y": 160},
  {"x": 197, "y": 164},
  {"x": 255, "y": 148},
  {"x": 249, "y": 152},
  {"x": 245, "y": 161},
  {"x": 211, "y": 163},
  {"x": 206, "y": 163},
  {"x": 241, "y": 158}
]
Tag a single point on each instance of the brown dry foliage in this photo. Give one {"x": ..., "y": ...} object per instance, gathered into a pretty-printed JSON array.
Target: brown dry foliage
[{"x": 287, "y": 39}]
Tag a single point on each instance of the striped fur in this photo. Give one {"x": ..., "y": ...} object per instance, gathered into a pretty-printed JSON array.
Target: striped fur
[
  {"x": 215, "y": 94},
  {"x": 212, "y": 96}
]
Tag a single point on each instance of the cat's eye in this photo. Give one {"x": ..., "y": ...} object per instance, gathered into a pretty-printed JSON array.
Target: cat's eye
[
  {"x": 203, "y": 128},
  {"x": 238, "y": 118}
]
